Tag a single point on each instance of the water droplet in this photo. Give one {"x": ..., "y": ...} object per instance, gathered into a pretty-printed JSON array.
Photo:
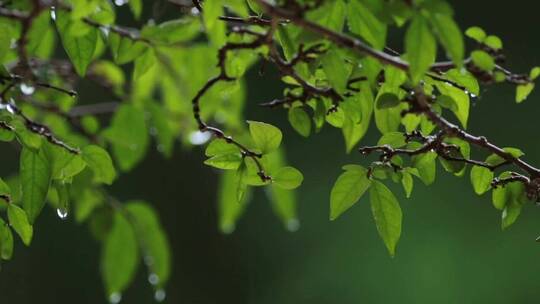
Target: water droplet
[
  {"x": 293, "y": 225},
  {"x": 148, "y": 260},
  {"x": 228, "y": 228},
  {"x": 62, "y": 213},
  {"x": 199, "y": 138},
  {"x": 153, "y": 279},
  {"x": 160, "y": 295},
  {"x": 120, "y": 2},
  {"x": 115, "y": 298},
  {"x": 53, "y": 13},
  {"x": 27, "y": 89}
]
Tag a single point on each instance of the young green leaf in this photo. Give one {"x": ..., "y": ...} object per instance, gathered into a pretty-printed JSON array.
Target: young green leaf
[
  {"x": 510, "y": 214},
  {"x": 425, "y": 163},
  {"x": 35, "y": 175},
  {"x": 101, "y": 164},
  {"x": 363, "y": 23},
  {"x": 128, "y": 136},
  {"x": 523, "y": 91},
  {"x": 407, "y": 182},
  {"x": 5, "y": 192},
  {"x": 476, "y": 33},
  {"x": 80, "y": 49},
  {"x": 483, "y": 60},
  {"x": 336, "y": 70},
  {"x": 387, "y": 215},
  {"x": 481, "y": 179},
  {"x": 6, "y": 241},
  {"x": 124, "y": 49},
  {"x": 266, "y": 137},
  {"x": 19, "y": 221},
  {"x": 450, "y": 36},
  {"x": 229, "y": 161},
  {"x": 387, "y": 100},
  {"x": 288, "y": 178},
  {"x": 300, "y": 121},
  {"x": 420, "y": 46},
  {"x": 348, "y": 189},
  {"x": 393, "y": 139},
  {"x": 153, "y": 240},
  {"x": 120, "y": 256},
  {"x": 229, "y": 208}
]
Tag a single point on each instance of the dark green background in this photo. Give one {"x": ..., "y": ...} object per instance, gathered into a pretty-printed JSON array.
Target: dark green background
[{"x": 451, "y": 251}]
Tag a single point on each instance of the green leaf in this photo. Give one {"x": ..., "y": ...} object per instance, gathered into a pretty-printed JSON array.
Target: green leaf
[
  {"x": 215, "y": 28},
  {"x": 6, "y": 34},
  {"x": 393, "y": 139},
  {"x": 387, "y": 215},
  {"x": 241, "y": 186},
  {"x": 6, "y": 241},
  {"x": 19, "y": 221},
  {"x": 449, "y": 36},
  {"x": 136, "y": 7},
  {"x": 523, "y": 91},
  {"x": 535, "y": 72},
  {"x": 511, "y": 193},
  {"x": 80, "y": 49},
  {"x": 125, "y": 49},
  {"x": 119, "y": 256},
  {"x": 336, "y": 70},
  {"x": 483, "y": 60},
  {"x": 35, "y": 175},
  {"x": 5, "y": 192},
  {"x": 461, "y": 99},
  {"x": 331, "y": 14},
  {"x": 353, "y": 131},
  {"x": 348, "y": 189},
  {"x": 153, "y": 239},
  {"x": 387, "y": 100},
  {"x": 288, "y": 178},
  {"x": 128, "y": 136},
  {"x": 64, "y": 164},
  {"x": 283, "y": 201},
  {"x": 266, "y": 137},
  {"x": 300, "y": 121},
  {"x": 420, "y": 46},
  {"x": 476, "y": 33},
  {"x": 464, "y": 78},
  {"x": 219, "y": 146},
  {"x": 510, "y": 214},
  {"x": 425, "y": 163},
  {"x": 229, "y": 161},
  {"x": 362, "y": 22},
  {"x": 101, "y": 164},
  {"x": 481, "y": 179},
  {"x": 407, "y": 182},
  {"x": 229, "y": 208},
  {"x": 493, "y": 42}
]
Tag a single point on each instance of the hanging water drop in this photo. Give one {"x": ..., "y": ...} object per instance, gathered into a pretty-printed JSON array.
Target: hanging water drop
[
  {"x": 53, "y": 13},
  {"x": 153, "y": 279},
  {"x": 27, "y": 89},
  {"x": 115, "y": 298},
  {"x": 120, "y": 2},
  {"x": 293, "y": 225},
  {"x": 160, "y": 295},
  {"x": 62, "y": 213}
]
